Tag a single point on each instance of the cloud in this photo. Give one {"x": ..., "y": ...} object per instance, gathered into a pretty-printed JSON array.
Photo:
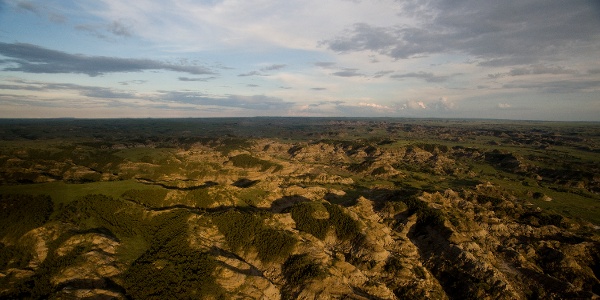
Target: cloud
[
  {"x": 201, "y": 79},
  {"x": 443, "y": 104},
  {"x": 35, "y": 59},
  {"x": 429, "y": 77},
  {"x": 119, "y": 29},
  {"x": 318, "y": 89},
  {"x": 128, "y": 82},
  {"x": 114, "y": 28},
  {"x": 558, "y": 86},
  {"x": 256, "y": 102},
  {"x": 374, "y": 106},
  {"x": 511, "y": 33},
  {"x": 262, "y": 70},
  {"x": 325, "y": 64},
  {"x": 537, "y": 69},
  {"x": 273, "y": 67},
  {"x": 104, "y": 93},
  {"x": 251, "y": 73},
  {"x": 348, "y": 72},
  {"x": 84, "y": 90},
  {"x": 504, "y": 105},
  {"x": 380, "y": 74},
  {"x": 28, "y": 6},
  {"x": 540, "y": 69},
  {"x": 40, "y": 10}
]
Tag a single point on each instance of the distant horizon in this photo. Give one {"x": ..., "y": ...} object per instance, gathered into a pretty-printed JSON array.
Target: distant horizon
[
  {"x": 514, "y": 60},
  {"x": 309, "y": 117}
]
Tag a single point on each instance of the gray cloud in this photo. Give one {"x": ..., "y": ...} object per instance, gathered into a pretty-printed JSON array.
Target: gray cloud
[
  {"x": 40, "y": 10},
  {"x": 92, "y": 30},
  {"x": 327, "y": 103},
  {"x": 120, "y": 29},
  {"x": 382, "y": 73},
  {"x": 35, "y": 59},
  {"x": 256, "y": 102},
  {"x": 559, "y": 86},
  {"x": 325, "y": 64},
  {"x": 318, "y": 89},
  {"x": 28, "y": 6},
  {"x": 84, "y": 90},
  {"x": 104, "y": 93},
  {"x": 132, "y": 82},
  {"x": 116, "y": 28},
  {"x": 429, "y": 77},
  {"x": 201, "y": 79},
  {"x": 348, "y": 72},
  {"x": 265, "y": 69},
  {"x": 509, "y": 33},
  {"x": 538, "y": 69},
  {"x": 251, "y": 73},
  {"x": 273, "y": 67}
]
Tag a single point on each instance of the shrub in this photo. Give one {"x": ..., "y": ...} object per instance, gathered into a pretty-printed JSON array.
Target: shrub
[
  {"x": 430, "y": 216},
  {"x": 299, "y": 268},
  {"x": 200, "y": 198},
  {"x": 147, "y": 197},
  {"x": 393, "y": 265},
  {"x": 302, "y": 213}
]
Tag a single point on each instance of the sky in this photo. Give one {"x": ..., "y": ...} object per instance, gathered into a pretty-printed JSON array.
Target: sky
[{"x": 510, "y": 59}]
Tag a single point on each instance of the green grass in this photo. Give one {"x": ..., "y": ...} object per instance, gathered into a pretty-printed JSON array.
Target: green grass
[
  {"x": 132, "y": 248},
  {"x": 61, "y": 192},
  {"x": 570, "y": 205}
]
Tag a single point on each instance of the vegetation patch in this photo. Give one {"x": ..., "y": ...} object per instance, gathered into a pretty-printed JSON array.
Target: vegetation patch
[
  {"x": 147, "y": 197},
  {"x": 244, "y": 230},
  {"x": 299, "y": 269},
  {"x": 170, "y": 268},
  {"x": 20, "y": 213},
  {"x": 248, "y": 161},
  {"x": 101, "y": 211},
  {"x": 305, "y": 214},
  {"x": 425, "y": 214}
]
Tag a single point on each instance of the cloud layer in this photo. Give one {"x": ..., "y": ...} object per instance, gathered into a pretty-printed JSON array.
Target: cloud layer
[
  {"x": 532, "y": 59},
  {"x": 35, "y": 59},
  {"x": 497, "y": 33}
]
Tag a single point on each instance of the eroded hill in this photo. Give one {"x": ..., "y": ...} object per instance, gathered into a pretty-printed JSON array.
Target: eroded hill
[{"x": 314, "y": 209}]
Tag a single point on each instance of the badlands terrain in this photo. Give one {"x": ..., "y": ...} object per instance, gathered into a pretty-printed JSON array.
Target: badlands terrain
[{"x": 293, "y": 208}]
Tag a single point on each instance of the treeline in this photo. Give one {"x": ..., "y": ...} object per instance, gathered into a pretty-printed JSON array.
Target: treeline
[
  {"x": 21, "y": 213},
  {"x": 100, "y": 211}
]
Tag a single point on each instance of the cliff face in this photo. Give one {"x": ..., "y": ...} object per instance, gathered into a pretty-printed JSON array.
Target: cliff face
[{"x": 319, "y": 220}]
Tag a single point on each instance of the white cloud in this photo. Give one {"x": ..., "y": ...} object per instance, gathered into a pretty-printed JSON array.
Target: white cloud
[{"x": 374, "y": 105}]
